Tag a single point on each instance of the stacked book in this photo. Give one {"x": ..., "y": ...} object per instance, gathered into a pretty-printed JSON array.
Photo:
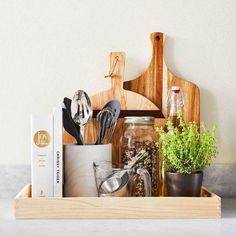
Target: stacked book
[{"x": 47, "y": 154}]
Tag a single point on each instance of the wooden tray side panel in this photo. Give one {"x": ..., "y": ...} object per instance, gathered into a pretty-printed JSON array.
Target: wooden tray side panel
[{"x": 117, "y": 208}]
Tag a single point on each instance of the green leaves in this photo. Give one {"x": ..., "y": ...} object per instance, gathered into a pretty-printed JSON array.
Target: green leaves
[{"x": 184, "y": 149}]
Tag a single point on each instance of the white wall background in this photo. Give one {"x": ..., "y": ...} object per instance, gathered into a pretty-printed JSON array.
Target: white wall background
[{"x": 50, "y": 48}]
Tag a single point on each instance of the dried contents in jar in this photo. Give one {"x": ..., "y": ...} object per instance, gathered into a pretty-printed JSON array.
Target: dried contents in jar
[
  {"x": 139, "y": 135},
  {"x": 128, "y": 152}
]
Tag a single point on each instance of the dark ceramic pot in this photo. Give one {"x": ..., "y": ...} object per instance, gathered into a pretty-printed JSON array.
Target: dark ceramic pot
[{"x": 184, "y": 185}]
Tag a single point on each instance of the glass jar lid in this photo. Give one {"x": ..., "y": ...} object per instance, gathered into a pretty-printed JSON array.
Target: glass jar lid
[{"x": 148, "y": 120}]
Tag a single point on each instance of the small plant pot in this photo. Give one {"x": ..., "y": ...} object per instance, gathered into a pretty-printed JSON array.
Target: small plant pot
[{"x": 184, "y": 185}]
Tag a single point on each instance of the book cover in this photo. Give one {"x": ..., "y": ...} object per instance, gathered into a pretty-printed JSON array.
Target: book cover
[{"x": 42, "y": 156}]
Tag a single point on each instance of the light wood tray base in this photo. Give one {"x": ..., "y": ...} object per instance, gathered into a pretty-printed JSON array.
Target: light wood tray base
[{"x": 207, "y": 206}]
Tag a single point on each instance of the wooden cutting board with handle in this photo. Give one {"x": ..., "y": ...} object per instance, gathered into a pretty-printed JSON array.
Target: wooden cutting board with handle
[
  {"x": 129, "y": 100},
  {"x": 145, "y": 95},
  {"x": 155, "y": 82}
]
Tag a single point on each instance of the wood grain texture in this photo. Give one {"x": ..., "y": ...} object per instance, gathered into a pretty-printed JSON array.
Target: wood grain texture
[
  {"x": 67, "y": 138},
  {"x": 25, "y": 192},
  {"x": 207, "y": 206},
  {"x": 150, "y": 83},
  {"x": 191, "y": 97},
  {"x": 155, "y": 82},
  {"x": 129, "y": 100}
]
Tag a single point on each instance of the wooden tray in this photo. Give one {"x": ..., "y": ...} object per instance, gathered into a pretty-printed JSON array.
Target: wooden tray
[
  {"x": 206, "y": 206},
  {"x": 145, "y": 95}
]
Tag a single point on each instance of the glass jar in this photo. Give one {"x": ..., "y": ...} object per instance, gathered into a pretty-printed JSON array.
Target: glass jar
[{"x": 139, "y": 134}]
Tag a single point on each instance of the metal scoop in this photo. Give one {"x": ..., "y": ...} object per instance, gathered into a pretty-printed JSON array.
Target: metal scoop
[
  {"x": 111, "y": 184},
  {"x": 115, "y": 184},
  {"x": 120, "y": 178}
]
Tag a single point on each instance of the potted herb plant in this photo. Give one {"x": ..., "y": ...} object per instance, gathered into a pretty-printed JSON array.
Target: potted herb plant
[{"x": 186, "y": 150}]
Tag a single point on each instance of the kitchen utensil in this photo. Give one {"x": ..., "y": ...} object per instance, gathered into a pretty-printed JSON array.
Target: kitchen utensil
[
  {"x": 110, "y": 125},
  {"x": 113, "y": 179},
  {"x": 137, "y": 159},
  {"x": 114, "y": 105},
  {"x": 81, "y": 110},
  {"x": 68, "y": 122},
  {"x": 105, "y": 121},
  {"x": 117, "y": 185},
  {"x": 118, "y": 179},
  {"x": 110, "y": 130},
  {"x": 67, "y": 103}
]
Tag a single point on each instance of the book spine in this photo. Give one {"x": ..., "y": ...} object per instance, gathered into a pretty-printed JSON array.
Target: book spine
[
  {"x": 58, "y": 152},
  {"x": 42, "y": 156}
]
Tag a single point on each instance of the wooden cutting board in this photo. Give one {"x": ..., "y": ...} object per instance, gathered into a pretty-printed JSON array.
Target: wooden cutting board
[
  {"x": 128, "y": 100},
  {"x": 145, "y": 95},
  {"x": 155, "y": 82}
]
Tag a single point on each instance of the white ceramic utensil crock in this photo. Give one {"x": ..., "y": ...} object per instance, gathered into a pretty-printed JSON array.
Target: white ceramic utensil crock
[{"x": 79, "y": 180}]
